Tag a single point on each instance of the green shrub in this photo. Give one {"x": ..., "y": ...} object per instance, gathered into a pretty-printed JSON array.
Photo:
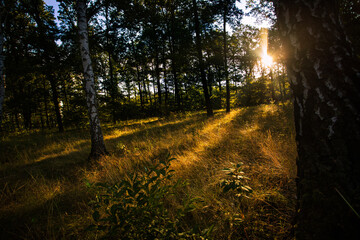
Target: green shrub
[
  {"x": 236, "y": 181},
  {"x": 137, "y": 207}
]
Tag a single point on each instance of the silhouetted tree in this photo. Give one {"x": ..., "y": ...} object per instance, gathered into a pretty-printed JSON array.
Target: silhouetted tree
[
  {"x": 325, "y": 80},
  {"x": 199, "y": 50}
]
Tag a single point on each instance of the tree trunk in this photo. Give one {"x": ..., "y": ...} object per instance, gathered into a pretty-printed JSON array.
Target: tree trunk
[
  {"x": 272, "y": 85},
  {"x": 176, "y": 85},
  {"x": 145, "y": 90},
  {"x": 208, "y": 104},
  {"x": 55, "y": 98},
  {"x": 2, "y": 80},
  {"x": 45, "y": 105},
  {"x": 140, "y": 94},
  {"x": 166, "y": 100},
  {"x": 157, "y": 73},
  {"x": 227, "y": 83},
  {"x": 113, "y": 89},
  {"x": 97, "y": 142},
  {"x": 325, "y": 79},
  {"x": 113, "y": 83},
  {"x": 218, "y": 76},
  {"x": 149, "y": 92}
]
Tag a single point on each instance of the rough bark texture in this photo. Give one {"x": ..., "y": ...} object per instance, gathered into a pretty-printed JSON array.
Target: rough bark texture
[
  {"x": 2, "y": 80},
  {"x": 97, "y": 142},
  {"x": 208, "y": 104},
  {"x": 325, "y": 80}
]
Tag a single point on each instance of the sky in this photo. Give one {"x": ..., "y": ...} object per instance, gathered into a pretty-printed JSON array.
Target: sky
[
  {"x": 54, "y": 4},
  {"x": 246, "y": 19}
]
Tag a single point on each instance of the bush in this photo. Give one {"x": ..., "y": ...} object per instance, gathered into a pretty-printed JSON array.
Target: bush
[
  {"x": 136, "y": 207},
  {"x": 235, "y": 181}
]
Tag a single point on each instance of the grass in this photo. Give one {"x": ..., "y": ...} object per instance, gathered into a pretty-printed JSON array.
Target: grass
[{"x": 43, "y": 195}]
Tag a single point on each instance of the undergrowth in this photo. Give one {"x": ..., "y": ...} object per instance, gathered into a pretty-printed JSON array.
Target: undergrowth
[
  {"x": 136, "y": 207},
  {"x": 43, "y": 194}
]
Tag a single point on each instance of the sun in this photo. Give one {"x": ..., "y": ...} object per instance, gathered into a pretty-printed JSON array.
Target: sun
[{"x": 267, "y": 60}]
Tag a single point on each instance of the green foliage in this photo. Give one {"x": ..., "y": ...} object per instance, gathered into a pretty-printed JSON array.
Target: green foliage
[
  {"x": 235, "y": 181},
  {"x": 137, "y": 206}
]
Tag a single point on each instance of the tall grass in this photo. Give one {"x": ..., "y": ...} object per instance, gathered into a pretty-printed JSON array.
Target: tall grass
[{"x": 43, "y": 195}]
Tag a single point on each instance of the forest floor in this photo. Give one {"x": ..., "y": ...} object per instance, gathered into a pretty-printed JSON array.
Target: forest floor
[{"x": 44, "y": 176}]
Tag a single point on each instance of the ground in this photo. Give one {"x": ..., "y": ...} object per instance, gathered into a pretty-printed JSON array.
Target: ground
[{"x": 43, "y": 175}]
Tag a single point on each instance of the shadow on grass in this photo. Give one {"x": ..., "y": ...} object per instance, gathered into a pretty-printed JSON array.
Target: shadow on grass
[
  {"x": 44, "y": 219},
  {"x": 29, "y": 218},
  {"x": 272, "y": 216},
  {"x": 63, "y": 164}
]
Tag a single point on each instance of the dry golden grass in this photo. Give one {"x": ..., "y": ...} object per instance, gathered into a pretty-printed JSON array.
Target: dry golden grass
[{"x": 43, "y": 195}]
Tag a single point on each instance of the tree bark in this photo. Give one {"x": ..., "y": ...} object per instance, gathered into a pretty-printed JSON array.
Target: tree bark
[
  {"x": 227, "y": 83},
  {"x": 166, "y": 97},
  {"x": 45, "y": 104},
  {"x": 97, "y": 141},
  {"x": 113, "y": 82},
  {"x": 204, "y": 82},
  {"x": 2, "y": 80},
  {"x": 158, "y": 84},
  {"x": 55, "y": 99},
  {"x": 325, "y": 80}
]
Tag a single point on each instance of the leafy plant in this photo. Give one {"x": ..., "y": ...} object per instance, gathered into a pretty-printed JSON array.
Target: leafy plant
[
  {"x": 236, "y": 181},
  {"x": 121, "y": 148},
  {"x": 136, "y": 207}
]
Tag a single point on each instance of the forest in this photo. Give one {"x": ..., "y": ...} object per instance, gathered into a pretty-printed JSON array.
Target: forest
[{"x": 179, "y": 119}]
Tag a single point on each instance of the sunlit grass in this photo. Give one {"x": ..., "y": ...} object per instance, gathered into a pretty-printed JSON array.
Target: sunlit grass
[{"x": 43, "y": 176}]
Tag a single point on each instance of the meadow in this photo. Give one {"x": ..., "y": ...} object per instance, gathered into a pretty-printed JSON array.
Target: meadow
[{"x": 45, "y": 176}]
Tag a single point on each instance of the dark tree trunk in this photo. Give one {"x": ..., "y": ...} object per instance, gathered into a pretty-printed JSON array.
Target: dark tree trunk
[
  {"x": 157, "y": 74},
  {"x": 176, "y": 85},
  {"x": 113, "y": 88},
  {"x": 97, "y": 141},
  {"x": 140, "y": 94},
  {"x": 325, "y": 79},
  {"x": 27, "y": 117},
  {"x": 166, "y": 100},
  {"x": 145, "y": 91},
  {"x": 55, "y": 99},
  {"x": 174, "y": 72},
  {"x": 218, "y": 76},
  {"x": 41, "y": 115},
  {"x": 173, "y": 54},
  {"x": 66, "y": 98},
  {"x": 227, "y": 83},
  {"x": 113, "y": 83},
  {"x": 46, "y": 105},
  {"x": 2, "y": 80},
  {"x": 149, "y": 92},
  {"x": 204, "y": 82},
  {"x": 272, "y": 85}
]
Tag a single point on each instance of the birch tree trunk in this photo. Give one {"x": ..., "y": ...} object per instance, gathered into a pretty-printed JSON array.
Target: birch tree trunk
[
  {"x": 325, "y": 79},
  {"x": 97, "y": 142}
]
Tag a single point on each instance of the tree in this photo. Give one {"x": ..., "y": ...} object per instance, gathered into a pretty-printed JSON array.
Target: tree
[
  {"x": 5, "y": 7},
  {"x": 97, "y": 142},
  {"x": 230, "y": 14},
  {"x": 2, "y": 80},
  {"x": 325, "y": 80},
  {"x": 46, "y": 29},
  {"x": 201, "y": 61}
]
